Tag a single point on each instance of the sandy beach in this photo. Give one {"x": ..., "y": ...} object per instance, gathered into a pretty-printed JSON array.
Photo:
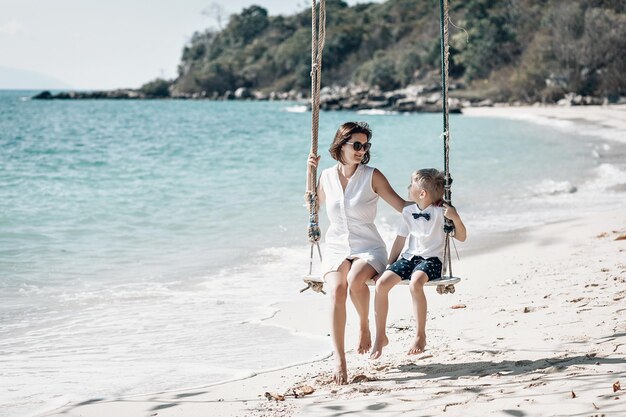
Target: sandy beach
[
  {"x": 608, "y": 122},
  {"x": 535, "y": 328}
]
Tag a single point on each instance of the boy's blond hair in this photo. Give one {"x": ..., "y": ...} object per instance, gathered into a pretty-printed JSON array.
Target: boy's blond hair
[{"x": 431, "y": 180}]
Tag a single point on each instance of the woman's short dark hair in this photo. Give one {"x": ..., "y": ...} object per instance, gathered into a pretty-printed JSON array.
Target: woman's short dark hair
[{"x": 344, "y": 134}]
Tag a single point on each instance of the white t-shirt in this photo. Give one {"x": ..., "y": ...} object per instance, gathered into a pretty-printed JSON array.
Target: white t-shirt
[{"x": 426, "y": 237}]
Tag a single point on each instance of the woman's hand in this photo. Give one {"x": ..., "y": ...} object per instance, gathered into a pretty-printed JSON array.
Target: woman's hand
[{"x": 313, "y": 160}]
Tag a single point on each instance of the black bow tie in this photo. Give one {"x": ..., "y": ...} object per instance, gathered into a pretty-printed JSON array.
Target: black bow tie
[{"x": 418, "y": 215}]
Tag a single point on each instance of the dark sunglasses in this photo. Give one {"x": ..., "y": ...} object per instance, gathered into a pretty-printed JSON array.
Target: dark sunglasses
[{"x": 358, "y": 146}]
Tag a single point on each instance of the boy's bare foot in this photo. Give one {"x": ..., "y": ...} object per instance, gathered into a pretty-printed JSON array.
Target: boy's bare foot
[
  {"x": 379, "y": 344},
  {"x": 365, "y": 341},
  {"x": 340, "y": 377},
  {"x": 418, "y": 345}
]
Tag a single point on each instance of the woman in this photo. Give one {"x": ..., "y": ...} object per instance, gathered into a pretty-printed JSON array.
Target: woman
[{"x": 354, "y": 252}]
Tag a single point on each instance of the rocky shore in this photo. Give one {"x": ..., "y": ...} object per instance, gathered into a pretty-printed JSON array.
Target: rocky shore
[
  {"x": 410, "y": 99},
  {"x": 417, "y": 98},
  {"x": 121, "y": 94}
]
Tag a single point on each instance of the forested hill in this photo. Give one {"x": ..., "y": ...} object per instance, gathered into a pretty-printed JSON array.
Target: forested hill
[{"x": 529, "y": 50}]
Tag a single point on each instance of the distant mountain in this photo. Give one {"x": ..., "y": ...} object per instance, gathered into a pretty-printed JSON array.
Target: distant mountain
[{"x": 18, "y": 79}]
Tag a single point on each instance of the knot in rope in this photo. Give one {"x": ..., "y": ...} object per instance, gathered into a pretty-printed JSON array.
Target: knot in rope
[
  {"x": 310, "y": 198},
  {"x": 314, "y": 70},
  {"x": 314, "y": 233}
]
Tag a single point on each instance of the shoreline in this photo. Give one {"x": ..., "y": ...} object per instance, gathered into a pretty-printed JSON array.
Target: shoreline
[
  {"x": 454, "y": 361},
  {"x": 604, "y": 121},
  {"x": 401, "y": 382},
  {"x": 408, "y": 99}
]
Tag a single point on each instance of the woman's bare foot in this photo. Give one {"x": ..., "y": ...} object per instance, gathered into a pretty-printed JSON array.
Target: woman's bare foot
[
  {"x": 365, "y": 341},
  {"x": 418, "y": 345},
  {"x": 379, "y": 344},
  {"x": 340, "y": 377}
]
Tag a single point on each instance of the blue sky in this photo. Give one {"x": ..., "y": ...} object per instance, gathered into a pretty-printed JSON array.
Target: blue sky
[{"x": 95, "y": 44}]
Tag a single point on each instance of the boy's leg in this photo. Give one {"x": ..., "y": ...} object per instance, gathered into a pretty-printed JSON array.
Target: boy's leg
[
  {"x": 420, "y": 308},
  {"x": 360, "y": 272},
  {"x": 381, "y": 305},
  {"x": 337, "y": 283}
]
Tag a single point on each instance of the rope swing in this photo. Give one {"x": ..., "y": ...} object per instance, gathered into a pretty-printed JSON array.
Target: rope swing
[
  {"x": 449, "y": 226},
  {"x": 318, "y": 36},
  {"x": 318, "y": 32}
]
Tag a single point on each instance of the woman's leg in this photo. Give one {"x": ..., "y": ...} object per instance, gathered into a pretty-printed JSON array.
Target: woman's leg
[
  {"x": 337, "y": 283},
  {"x": 381, "y": 305},
  {"x": 420, "y": 307},
  {"x": 359, "y": 274}
]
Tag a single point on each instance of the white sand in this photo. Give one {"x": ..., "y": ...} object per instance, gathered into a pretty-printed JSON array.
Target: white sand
[
  {"x": 543, "y": 334},
  {"x": 608, "y": 122}
]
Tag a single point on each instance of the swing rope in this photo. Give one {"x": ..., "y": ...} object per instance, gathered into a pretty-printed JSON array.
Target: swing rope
[
  {"x": 318, "y": 37},
  {"x": 445, "y": 53}
]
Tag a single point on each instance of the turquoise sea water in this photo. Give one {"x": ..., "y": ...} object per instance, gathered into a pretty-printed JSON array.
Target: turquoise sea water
[{"x": 137, "y": 238}]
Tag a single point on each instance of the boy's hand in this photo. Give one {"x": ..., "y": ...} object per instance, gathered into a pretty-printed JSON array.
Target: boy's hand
[{"x": 450, "y": 212}]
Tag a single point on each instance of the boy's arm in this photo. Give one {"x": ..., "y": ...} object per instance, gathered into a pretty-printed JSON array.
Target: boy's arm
[
  {"x": 396, "y": 248},
  {"x": 460, "y": 233}
]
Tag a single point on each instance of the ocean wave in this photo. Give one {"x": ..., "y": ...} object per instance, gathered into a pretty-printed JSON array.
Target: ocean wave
[
  {"x": 551, "y": 187},
  {"x": 296, "y": 109},
  {"x": 376, "y": 112},
  {"x": 606, "y": 176}
]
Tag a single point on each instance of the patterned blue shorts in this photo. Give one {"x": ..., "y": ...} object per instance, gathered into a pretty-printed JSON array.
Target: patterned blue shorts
[{"x": 404, "y": 268}]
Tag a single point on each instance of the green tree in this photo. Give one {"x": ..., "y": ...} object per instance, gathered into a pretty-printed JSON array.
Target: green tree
[
  {"x": 250, "y": 23},
  {"x": 379, "y": 72},
  {"x": 158, "y": 88},
  {"x": 492, "y": 38},
  {"x": 517, "y": 49}
]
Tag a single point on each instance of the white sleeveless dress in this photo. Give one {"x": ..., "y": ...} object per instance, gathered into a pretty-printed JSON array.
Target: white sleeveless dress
[{"x": 352, "y": 233}]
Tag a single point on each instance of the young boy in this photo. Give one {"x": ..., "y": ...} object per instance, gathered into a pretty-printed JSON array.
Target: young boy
[{"x": 423, "y": 222}]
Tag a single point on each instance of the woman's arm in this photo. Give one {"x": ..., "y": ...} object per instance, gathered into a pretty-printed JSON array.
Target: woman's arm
[
  {"x": 382, "y": 187},
  {"x": 313, "y": 161}
]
